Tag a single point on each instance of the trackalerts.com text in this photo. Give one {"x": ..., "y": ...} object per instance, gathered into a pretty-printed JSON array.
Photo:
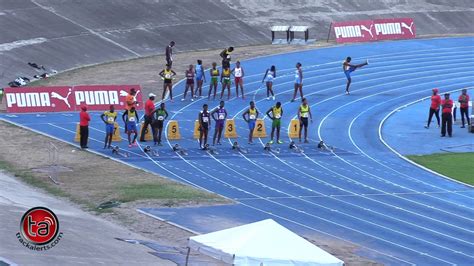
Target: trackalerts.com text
[{"x": 37, "y": 247}]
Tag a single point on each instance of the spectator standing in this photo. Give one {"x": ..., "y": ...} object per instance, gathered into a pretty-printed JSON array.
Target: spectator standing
[
  {"x": 84, "y": 119},
  {"x": 447, "y": 117},
  {"x": 148, "y": 118},
  {"x": 434, "y": 107},
  {"x": 464, "y": 102}
]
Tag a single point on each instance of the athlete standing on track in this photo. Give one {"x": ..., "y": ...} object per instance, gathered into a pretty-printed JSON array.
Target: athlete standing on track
[
  {"x": 348, "y": 68},
  {"x": 303, "y": 112},
  {"x": 434, "y": 107},
  {"x": 225, "y": 55},
  {"x": 447, "y": 117},
  {"x": 276, "y": 114},
  {"x": 464, "y": 101},
  {"x": 130, "y": 118},
  {"x": 270, "y": 74},
  {"x": 169, "y": 53},
  {"x": 204, "y": 119},
  {"x": 252, "y": 113},
  {"x": 160, "y": 116},
  {"x": 167, "y": 76},
  {"x": 189, "y": 82},
  {"x": 220, "y": 122},
  {"x": 200, "y": 77},
  {"x": 214, "y": 78},
  {"x": 109, "y": 117},
  {"x": 225, "y": 80},
  {"x": 238, "y": 72},
  {"x": 298, "y": 81}
]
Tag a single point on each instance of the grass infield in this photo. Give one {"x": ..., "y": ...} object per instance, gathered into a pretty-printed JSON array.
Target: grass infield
[{"x": 459, "y": 166}]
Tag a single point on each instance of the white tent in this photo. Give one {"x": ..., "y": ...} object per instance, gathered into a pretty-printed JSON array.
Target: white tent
[{"x": 261, "y": 243}]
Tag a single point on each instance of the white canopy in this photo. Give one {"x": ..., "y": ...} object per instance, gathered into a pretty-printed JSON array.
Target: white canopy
[{"x": 261, "y": 243}]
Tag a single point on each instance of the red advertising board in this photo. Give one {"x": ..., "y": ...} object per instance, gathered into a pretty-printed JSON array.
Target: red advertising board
[
  {"x": 354, "y": 31},
  {"x": 65, "y": 99},
  {"x": 100, "y": 97},
  {"x": 373, "y": 30},
  {"x": 39, "y": 99},
  {"x": 394, "y": 28}
]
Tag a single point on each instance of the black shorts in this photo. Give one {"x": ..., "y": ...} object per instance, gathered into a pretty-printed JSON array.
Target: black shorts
[
  {"x": 204, "y": 128},
  {"x": 190, "y": 81},
  {"x": 158, "y": 124},
  {"x": 167, "y": 81},
  {"x": 303, "y": 121}
]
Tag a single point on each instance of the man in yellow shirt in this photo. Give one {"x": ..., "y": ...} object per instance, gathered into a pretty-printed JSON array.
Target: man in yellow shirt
[{"x": 109, "y": 117}]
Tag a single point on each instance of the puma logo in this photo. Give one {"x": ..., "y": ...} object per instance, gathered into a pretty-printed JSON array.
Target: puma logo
[
  {"x": 404, "y": 25},
  {"x": 369, "y": 30},
  {"x": 59, "y": 97}
]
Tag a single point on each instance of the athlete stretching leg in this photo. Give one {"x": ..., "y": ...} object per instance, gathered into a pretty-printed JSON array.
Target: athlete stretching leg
[{"x": 348, "y": 68}]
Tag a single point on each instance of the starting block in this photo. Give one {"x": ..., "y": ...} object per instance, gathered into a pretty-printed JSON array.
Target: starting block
[
  {"x": 148, "y": 132},
  {"x": 294, "y": 129},
  {"x": 116, "y": 150},
  {"x": 324, "y": 147},
  {"x": 268, "y": 148},
  {"x": 210, "y": 150},
  {"x": 236, "y": 147},
  {"x": 173, "y": 130},
  {"x": 295, "y": 148},
  {"x": 148, "y": 150},
  {"x": 179, "y": 149},
  {"x": 230, "y": 130},
  {"x": 259, "y": 130}
]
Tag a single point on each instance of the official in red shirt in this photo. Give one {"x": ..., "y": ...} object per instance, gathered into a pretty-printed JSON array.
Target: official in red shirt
[
  {"x": 447, "y": 117},
  {"x": 434, "y": 107},
  {"x": 148, "y": 118},
  {"x": 84, "y": 119},
  {"x": 464, "y": 102}
]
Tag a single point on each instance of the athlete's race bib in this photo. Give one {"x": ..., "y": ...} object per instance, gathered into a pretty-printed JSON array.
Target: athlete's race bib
[
  {"x": 304, "y": 115},
  {"x": 252, "y": 117},
  {"x": 205, "y": 119},
  {"x": 161, "y": 118},
  {"x": 110, "y": 119},
  {"x": 221, "y": 116},
  {"x": 167, "y": 76},
  {"x": 277, "y": 116},
  {"x": 131, "y": 119}
]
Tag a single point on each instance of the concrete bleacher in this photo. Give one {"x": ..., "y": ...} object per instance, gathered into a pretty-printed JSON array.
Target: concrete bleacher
[{"x": 65, "y": 34}]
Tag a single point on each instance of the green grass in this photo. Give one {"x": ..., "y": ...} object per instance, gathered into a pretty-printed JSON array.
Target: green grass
[
  {"x": 459, "y": 166},
  {"x": 166, "y": 191}
]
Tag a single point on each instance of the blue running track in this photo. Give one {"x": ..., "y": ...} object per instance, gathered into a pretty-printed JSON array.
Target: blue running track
[{"x": 362, "y": 193}]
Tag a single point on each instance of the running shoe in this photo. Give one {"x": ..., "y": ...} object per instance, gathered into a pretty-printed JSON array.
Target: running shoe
[
  {"x": 280, "y": 142},
  {"x": 367, "y": 61},
  {"x": 172, "y": 100},
  {"x": 130, "y": 145},
  {"x": 183, "y": 100},
  {"x": 135, "y": 144},
  {"x": 268, "y": 98},
  {"x": 270, "y": 142},
  {"x": 427, "y": 127},
  {"x": 273, "y": 97},
  {"x": 192, "y": 100}
]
